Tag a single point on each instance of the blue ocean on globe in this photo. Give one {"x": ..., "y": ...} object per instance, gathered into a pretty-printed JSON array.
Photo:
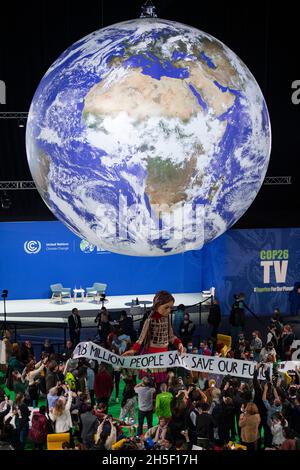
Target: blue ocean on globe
[{"x": 148, "y": 138}]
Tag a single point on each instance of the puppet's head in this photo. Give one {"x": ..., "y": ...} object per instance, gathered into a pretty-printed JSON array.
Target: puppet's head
[{"x": 163, "y": 302}]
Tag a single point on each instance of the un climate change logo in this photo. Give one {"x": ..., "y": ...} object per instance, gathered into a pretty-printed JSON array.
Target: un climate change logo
[{"x": 32, "y": 247}]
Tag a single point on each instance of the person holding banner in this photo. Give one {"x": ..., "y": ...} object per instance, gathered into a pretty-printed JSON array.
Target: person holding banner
[{"x": 156, "y": 334}]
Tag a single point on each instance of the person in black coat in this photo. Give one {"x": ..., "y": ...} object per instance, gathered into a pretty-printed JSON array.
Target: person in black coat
[
  {"x": 295, "y": 415},
  {"x": 99, "y": 317},
  {"x": 74, "y": 326},
  {"x": 294, "y": 299},
  {"x": 22, "y": 414},
  {"x": 126, "y": 326},
  {"x": 186, "y": 330},
  {"x": 205, "y": 423},
  {"x": 258, "y": 393},
  {"x": 214, "y": 318},
  {"x": 68, "y": 351},
  {"x": 285, "y": 343},
  {"x": 179, "y": 419},
  {"x": 48, "y": 348},
  {"x": 89, "y": 425},
  {"x": 52, "y": 375},
  {"x": 104, "y": 327},
  {"x": 223, "y": 415},
  {"x": 26, "y": 352},
  {"x": 237, "y": 318}
]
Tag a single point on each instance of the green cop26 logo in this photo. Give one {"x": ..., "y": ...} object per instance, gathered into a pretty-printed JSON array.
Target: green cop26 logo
[{"x": 274, "y": 260}]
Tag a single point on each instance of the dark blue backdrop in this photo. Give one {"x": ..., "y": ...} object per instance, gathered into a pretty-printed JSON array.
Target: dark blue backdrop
[{"x": 263, "y": 263}]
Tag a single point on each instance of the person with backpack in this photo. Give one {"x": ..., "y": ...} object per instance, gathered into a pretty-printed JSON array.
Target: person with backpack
[
  {"x": 22, "y": 414},
  {"x": 39, "y": 428}
]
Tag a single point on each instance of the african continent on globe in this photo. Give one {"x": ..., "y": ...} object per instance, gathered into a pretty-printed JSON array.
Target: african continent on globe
[{"x": 148, "y": 138}]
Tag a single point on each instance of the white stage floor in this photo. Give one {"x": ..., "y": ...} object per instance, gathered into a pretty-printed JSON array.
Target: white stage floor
[{"x": 45, "y": 311}]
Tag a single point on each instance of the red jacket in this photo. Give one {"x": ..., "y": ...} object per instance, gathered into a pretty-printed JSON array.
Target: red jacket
[{"x": 103, "y": 384}]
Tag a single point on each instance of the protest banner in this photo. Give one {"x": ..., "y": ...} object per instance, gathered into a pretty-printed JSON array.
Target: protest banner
[
  {"x": 288, "y": 366},
  {"x": 193, "y": 362}
]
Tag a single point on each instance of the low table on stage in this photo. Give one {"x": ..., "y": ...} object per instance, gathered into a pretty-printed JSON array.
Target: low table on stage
[
  {"x": 141, "y": 302},
  {"x": 78, "y": 291}
]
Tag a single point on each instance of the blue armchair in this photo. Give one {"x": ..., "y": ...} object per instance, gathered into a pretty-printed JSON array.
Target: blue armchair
[
  {"x": 97, "y": 289},
  {"x": 59, "y": 292}
]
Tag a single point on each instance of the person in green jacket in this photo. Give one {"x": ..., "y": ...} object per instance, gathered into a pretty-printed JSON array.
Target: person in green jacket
[
  {"x": 15, "y": 364},
  {"x": 163, "y": 402}
]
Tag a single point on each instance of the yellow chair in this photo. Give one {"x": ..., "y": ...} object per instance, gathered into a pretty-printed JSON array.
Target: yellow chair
[
  {"x": 54, "y": 441},
  {"x": 224, "y": 351},
  {"x": 118, "y": 445},
  {"x": 236, "y": 445},
  {"x": 224, "y": 339}
]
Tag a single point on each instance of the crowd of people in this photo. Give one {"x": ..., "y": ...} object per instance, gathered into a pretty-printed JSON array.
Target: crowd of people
[{"x": 172, "y": 409}]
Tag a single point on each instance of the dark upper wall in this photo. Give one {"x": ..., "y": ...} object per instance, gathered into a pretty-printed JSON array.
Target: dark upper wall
[{"x": 264, "y": 35}]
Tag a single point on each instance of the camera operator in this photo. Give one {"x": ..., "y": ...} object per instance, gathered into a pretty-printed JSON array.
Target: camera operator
[{"x": 106, "y": 434}]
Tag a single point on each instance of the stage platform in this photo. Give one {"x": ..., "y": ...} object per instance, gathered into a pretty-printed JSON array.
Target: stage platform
[
  {"x": 37, "y": 319},
  {"x": 44, "y": 311}
]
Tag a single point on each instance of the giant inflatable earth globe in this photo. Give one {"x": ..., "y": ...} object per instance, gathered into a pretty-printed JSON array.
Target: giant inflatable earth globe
[{"x": 148, "y": 137}]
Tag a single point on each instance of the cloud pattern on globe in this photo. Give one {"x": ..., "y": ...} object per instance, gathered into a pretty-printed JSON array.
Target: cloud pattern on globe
[{"x": 148, "y": 138}]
